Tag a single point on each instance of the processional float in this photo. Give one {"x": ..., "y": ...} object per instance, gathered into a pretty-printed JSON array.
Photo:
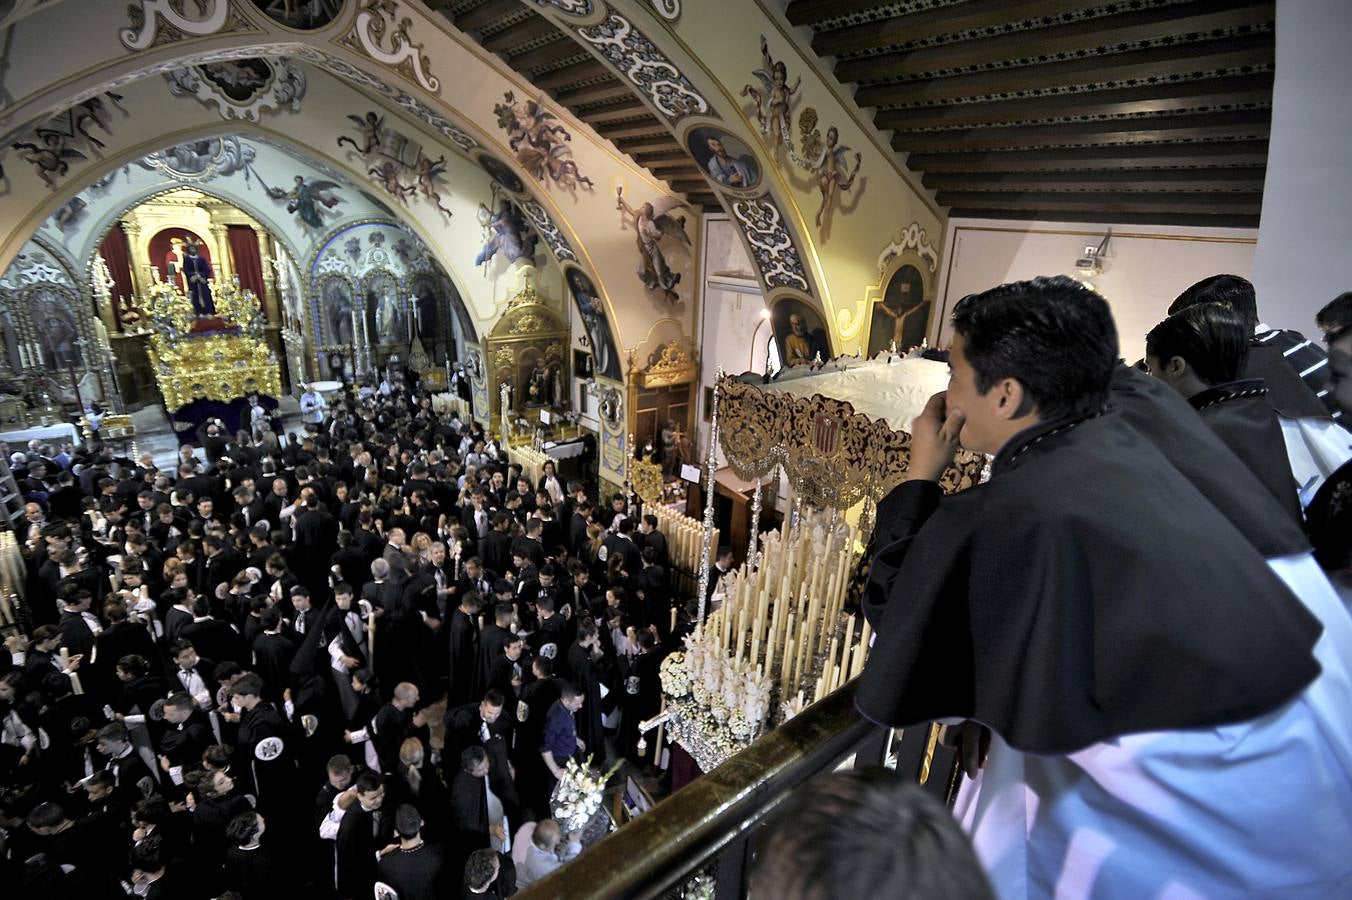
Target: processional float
[{"x": 788, "y": 632}]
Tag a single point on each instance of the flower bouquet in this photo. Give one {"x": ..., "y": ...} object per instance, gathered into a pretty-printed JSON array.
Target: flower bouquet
[{"x": 577, "y": 798}]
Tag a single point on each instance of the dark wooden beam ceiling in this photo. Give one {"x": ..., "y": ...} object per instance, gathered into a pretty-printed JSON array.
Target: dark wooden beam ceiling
[
  {"x": 557, "y": 65},
  {"x": 1102, "y": 110}
]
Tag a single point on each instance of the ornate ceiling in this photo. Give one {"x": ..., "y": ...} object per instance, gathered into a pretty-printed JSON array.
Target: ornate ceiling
[
  {"x": 559, "y": 66},
  {"x": 1150, "y": 111}
]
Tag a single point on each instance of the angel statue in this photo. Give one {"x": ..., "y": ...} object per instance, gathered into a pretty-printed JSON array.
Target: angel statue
[
  {"x": 773, "y": 98},
  {"x": 508, "y": 234},
  {"x": 650, "y": 226},
  {"x": 428, "y": 173},
  {"x": 306, "y": 197},
  {"x": 540, "y": 142},
  {"x": 370, "y": 128},
  {"x": 828, "y": 161}
]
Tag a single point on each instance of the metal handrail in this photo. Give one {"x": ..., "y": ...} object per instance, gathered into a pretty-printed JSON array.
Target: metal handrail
[{"x": 676, "y": 838}]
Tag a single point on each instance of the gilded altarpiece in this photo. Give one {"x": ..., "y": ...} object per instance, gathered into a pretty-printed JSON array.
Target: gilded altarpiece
[{"x": 527, "y": 352}]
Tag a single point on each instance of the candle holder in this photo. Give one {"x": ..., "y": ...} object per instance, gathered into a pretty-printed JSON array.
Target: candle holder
[{"x": 711, "y": 467}]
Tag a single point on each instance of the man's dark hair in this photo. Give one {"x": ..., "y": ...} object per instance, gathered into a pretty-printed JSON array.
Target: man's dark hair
[
  {"x": 1054, "y": 336},
  {"x": 250, "y": 685},
  {"x": 569, "y": 691},
  {"x": 1336, "y": 317},
  {"x": 1228, "y": 290},
  {"x": 481, "y": 869},
  {"x": 368, "y": 782},
  {"x": 243, "y": 828},
  {"x": 407, "y": 822},
  {"x": 493, "y": 697},
  {"x": 472, "y": 757},
  {"x": 867, "y": 833},
  {"x": 1212, "y": 339},
  {"x": 46, "y": 815}
]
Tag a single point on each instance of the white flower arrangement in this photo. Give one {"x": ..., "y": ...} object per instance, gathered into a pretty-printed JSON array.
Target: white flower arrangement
[
  {"x": 579, "y": 794},
  {"x": 675, "y": 680}
]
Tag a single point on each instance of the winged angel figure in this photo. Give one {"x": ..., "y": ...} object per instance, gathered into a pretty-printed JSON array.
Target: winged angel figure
[
  {"x": 773, "y": 98},
  {"x": 540, "y": 142},
  {"x": 308, "y": 199},
  {"x": 828, "y": 160},
  {"x": 652, "y": 223}
]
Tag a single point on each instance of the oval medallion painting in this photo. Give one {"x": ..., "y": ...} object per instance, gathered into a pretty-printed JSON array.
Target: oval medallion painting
[
  {"x": 500, "y": 172},
  {"x": 302, "y": 15},
  {"x": 724, "y": 158}
]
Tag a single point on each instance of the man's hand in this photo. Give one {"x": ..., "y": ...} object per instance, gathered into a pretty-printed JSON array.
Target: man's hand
[
  {"x": 420, "y": 718},
  {"x": 74, "y": 662},
  {"x": 388, "y": 849},
  {"x": 934, "y": 439},
  {"x": 972, "y": 741},
  {"x": 497, "y": 831},
  {"x": 347, "y": 737}
]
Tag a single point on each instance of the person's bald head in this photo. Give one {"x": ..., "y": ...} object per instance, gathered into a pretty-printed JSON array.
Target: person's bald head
[{"x": 546, "y": 834}]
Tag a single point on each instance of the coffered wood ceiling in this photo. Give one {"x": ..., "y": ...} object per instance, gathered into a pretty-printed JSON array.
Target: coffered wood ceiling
[
  {"x": 558, "y": 65},
  {"x": 1138, "y": 111},
  {"x": 1148, "y": 111}
]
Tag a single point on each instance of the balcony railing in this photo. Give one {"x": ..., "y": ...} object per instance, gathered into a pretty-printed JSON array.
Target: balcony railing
[{"x": 713, "y": 823}]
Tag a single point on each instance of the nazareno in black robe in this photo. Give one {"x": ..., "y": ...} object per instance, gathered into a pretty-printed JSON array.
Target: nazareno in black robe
[
  {"x": 1160, "y": 414},
  {"x": 1241, "y": 416},
  {"x": 1088, "y": 590}
]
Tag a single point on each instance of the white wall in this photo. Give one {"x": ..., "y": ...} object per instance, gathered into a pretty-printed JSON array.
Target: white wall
[
  {"x": 1145, "y": 267},
  {"x": 1303, "y": 260}
]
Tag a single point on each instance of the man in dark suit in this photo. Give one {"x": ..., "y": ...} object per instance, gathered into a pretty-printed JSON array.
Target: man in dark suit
[
  {"x": 417, "y": 870},
  {"x": 528, "y": 545},
  {"x": 649, "y": 536},
  {"x": 463, "y": 637},
  {"x": 366, "y": 829},
  {"x": 272, "y": 655},
  {"x": 221, "y": 565},
  {"x": 316, "y": 538},
  {"x": 496, "y": 548},
  {"x": 621, "y": 541}
]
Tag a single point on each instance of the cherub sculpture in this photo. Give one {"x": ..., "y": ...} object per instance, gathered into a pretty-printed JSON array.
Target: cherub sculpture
[
  {"x": 828, "y": 161},
  {"x": 387, "y": 173},
  {"x": 650, "y": 225},
  {"x": 51, "y": 158},
  {"x": 370, "y": 129},
  {"x": 540, "y": 142},
  {"x": 773, "y": 98},
  {"x": 508, "y": 234},
  {"x": 427, "y": 172}
]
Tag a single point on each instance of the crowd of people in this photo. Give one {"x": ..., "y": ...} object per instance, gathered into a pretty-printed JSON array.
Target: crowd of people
[
  {"x": 360, "y": 654},
  {"x": 365, "y": 653}
]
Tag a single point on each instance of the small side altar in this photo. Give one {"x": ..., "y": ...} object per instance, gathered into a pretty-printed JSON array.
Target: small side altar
[{"x": 221, "y": 358}]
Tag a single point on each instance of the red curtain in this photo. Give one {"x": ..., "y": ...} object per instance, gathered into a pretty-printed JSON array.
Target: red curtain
[
  {"x": 117, "y": 254},
  {"x": 248, "y": 264}
]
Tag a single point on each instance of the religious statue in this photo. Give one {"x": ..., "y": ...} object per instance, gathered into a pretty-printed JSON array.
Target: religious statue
[
  {"x": 650, "y": 226},
  {"x": 129, "y": 314},
  {"x": 540, "y": 142},
  {"x": 772, "y": 98},
  {"x": 173, "y": 264},
  {"x": 899, "y": 318},
  {"x": 509, "y": 234},
  {"x": 197, "y": 274},
  {"x": 389, "y": 316},
  {"x": 797, "y": 345},
  {"x": 427, "y": 171},
  {"x": 673, "y": 450},
  {"x": 306, "y": 198},
  {"x": 828, "y": 162}
]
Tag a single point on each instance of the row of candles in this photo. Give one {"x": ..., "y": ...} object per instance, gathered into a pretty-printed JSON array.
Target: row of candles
[
  {"x": 789, "y": 610},
  {"x": 685, "y": 538}
]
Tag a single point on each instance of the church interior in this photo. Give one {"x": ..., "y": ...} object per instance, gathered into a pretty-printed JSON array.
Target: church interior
[{"x": 568, "y": 371}]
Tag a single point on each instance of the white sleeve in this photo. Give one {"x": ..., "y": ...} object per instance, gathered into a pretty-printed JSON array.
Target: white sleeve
[{"x": 328, "y": 829}]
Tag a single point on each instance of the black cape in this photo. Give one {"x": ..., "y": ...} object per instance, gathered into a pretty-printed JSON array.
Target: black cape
[
  {"x": 1288, "y": 393},
  {"x": 1086, "y": 591},
  {"x": 1160, "y": 414},
  {"x": 1240, "y": 415},
  {"x": 1328, "y": 519}
]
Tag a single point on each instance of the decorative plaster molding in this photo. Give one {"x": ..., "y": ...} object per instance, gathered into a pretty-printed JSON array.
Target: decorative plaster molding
[
  {"x": 912, "y": 237},
  {"x": 771, "y": 244},
  {"x": 379, "y": 18},
  {"x": 579, "y": 8},
  {"x": 640, "y": 60},
  {"x": 544, "y": 224},
  {"x": 145, "y": 22},
  {"x": 667, "y": 9},
  {"x": 282, "y": 88}
]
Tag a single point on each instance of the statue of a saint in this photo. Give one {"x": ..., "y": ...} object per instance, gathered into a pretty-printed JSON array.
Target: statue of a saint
[
  {"x": 197, "y": 274},
  {"x": 797, "y": 346}
]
